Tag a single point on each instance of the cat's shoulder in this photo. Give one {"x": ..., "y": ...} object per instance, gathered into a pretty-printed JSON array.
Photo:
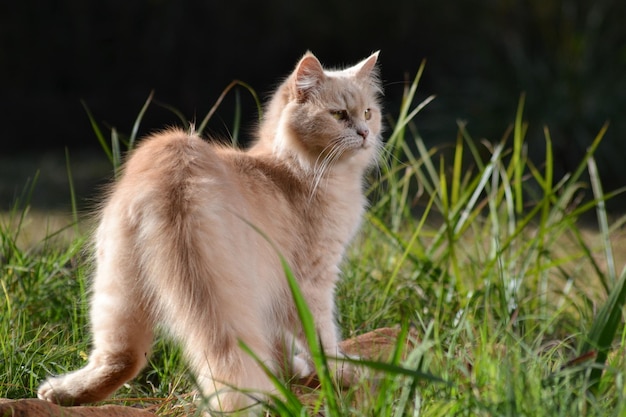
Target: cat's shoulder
[{"x": 268, "y": 169}]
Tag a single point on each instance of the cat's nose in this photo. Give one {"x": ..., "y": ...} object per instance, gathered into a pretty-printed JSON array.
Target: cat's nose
[{"x": 363, "y": 132}]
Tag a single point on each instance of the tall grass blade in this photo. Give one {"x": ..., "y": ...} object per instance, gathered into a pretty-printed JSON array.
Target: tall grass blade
[
  {"x": 409, "y": 247},
  {"x": 116, "y": 151},
  {"x": 456, "y": 171},
  {"x": 590, "y": 152},
  {"x": 176, "y": 113},
  {"x": 485, "y": 175},
  {"x": 518, "y": 164},
  {"x": 135, "y": 129},
  {"x": 604, "y": 327},
  {"x": 603, "y": 221},
  {"x": 469, "y": 142},
  {"x": 21, "y": 205},
  {"x": 234, "y": 137},
  {"x": 391, "y": 369},
  {"x": 94, "y": 126},
  {"x": 221, "y": 97},
  {"x": 288, "y": 400},
  {"x": 70, "y": 180},
  {"x": 315, "y": 348}
]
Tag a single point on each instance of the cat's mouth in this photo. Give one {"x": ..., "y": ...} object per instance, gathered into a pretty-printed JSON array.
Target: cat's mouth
[
  {"x": 348, "y": 146},
  {"x": 364, "y": 140}
]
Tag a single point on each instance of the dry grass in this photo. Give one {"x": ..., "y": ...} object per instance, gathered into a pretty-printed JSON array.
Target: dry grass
[{"x": 38, "y": 227}]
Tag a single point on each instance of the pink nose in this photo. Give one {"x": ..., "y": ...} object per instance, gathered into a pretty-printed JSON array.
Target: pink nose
[{"x": 363, "y": 133}]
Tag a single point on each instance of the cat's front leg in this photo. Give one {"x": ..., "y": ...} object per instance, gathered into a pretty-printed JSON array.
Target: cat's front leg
[
  {"x": 322, "y": 307},
  {"x": 341, "y": 369}
]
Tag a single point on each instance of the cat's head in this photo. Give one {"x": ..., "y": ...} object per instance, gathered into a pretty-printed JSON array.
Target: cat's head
[{"x": 320, "y": 115}]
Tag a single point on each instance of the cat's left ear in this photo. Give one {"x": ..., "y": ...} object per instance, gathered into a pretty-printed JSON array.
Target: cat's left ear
[{"x": 367, "y": 68}]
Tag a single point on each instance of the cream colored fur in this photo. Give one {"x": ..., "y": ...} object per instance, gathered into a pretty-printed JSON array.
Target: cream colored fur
[{"x": 175, "y": 244}]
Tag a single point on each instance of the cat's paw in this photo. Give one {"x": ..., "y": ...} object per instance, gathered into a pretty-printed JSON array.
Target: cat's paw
[
  {"x": 75, "y": 388},
  {"x": 301, "y": 366},
  {"x": 345, "y": 372},
  {"x": 57, "y": 390}
]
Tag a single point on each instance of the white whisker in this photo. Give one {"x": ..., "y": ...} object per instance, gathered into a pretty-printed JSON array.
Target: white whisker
[{"x": 329, "y": 155}]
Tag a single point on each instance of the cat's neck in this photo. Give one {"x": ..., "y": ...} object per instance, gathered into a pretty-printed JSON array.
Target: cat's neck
[
  {"x": 285, "y": 149},
  {"x": 331, "y": 201},
  {"x": 343, "y": 176}
]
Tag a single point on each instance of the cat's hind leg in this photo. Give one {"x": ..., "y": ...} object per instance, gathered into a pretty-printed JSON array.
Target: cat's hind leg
[
  {"x": 233, "y": 381},
  {"x": 122, "y": 332},
  {"x": 229, "y": 378}
]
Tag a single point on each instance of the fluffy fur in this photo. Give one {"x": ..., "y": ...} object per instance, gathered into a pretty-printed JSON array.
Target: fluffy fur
[{"x": 176, "y": 245}]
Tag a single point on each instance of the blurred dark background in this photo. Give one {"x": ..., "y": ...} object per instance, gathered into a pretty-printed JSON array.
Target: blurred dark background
[{"x": 568, "y": 56}]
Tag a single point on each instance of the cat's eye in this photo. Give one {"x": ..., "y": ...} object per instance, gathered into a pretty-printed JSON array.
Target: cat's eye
[
  {"x": 339, "y": 114},
  {"x": 367, "y": 114}
]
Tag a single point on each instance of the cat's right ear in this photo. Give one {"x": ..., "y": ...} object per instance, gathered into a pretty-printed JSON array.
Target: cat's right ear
[{"x": 307, "y": 76}]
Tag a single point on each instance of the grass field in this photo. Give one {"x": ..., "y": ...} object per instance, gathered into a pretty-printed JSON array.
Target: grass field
[{"x": 515, "y": 304}]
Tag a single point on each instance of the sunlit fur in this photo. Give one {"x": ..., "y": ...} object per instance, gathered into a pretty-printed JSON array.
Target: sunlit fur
[{"x": 188, "y": 240}]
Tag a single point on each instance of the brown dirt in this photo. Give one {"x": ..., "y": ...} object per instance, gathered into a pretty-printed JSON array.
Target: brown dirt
[{"x": 40, "y": 408}]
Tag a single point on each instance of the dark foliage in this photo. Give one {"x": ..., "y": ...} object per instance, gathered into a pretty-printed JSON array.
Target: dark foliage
[{"x": 569, "y": 56}]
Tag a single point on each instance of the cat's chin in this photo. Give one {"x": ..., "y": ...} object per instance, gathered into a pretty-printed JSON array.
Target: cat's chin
[
  {"x": 360, "y": 149},
  {"x": 365, "y": 155}
]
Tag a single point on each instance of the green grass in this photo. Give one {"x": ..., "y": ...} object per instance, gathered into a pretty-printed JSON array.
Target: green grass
[{"x": 470, "y": 248}]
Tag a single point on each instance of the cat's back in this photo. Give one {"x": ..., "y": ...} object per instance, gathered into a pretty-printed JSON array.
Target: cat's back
[
  {"x": 170, "y": 172},
  {"x": 173, "y": 153},
  {"x": 176, "y": 178},
  {"x": 175, "y": 159}
]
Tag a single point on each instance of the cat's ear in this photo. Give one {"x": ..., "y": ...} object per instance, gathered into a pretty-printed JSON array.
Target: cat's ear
[
  {"x": 307, "y": 76},
  {"x": 366, "y": 72},
  {"x": 367, "y": 68}
]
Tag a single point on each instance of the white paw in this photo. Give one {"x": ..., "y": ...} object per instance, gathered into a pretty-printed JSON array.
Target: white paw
[
  {"x": 53, "y": 390},
  {"x": 300, "y": 366},
  {"x": 345, "y": 372}
]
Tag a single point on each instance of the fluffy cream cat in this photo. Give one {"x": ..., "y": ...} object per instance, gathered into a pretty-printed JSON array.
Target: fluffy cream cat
[{"x": 175, "y": 246}]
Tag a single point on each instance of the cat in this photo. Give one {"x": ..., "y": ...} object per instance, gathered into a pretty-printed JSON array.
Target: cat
[{"x": 189, "y": 236}]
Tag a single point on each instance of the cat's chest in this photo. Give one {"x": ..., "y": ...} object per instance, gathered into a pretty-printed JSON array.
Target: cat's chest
[
  {"x": 323, "y": 239},
  {"x": 336, "y": 219}
]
